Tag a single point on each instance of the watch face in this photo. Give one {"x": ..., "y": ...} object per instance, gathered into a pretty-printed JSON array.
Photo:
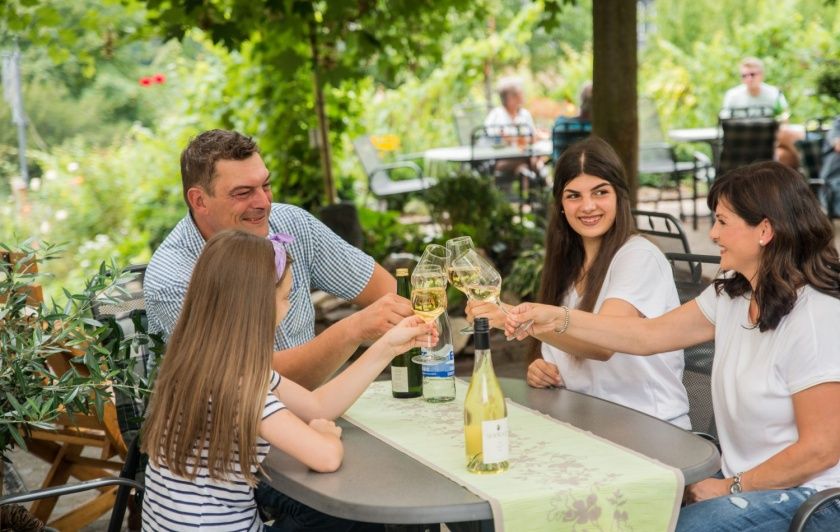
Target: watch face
[{"x": 735, "y": 487}]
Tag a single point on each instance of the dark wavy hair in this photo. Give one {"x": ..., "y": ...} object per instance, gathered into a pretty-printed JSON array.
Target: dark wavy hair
[
  {"x": 564, "y": 253},
  {"x": 802, "y": 248}
]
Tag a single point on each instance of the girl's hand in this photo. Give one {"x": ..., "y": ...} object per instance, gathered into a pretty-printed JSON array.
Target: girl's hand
[
  {"x": 545, "y": 319},
  {"x": 707, "y": 489},
  {"x": 544, "y": 374},
  {"x": 325, "y": 426},
  {"x": 483, "y": 309},
  {"x": 409, "y": 333}
]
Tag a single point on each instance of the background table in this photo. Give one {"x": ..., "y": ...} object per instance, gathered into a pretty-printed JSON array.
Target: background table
[{"x": 380, "y": 484}]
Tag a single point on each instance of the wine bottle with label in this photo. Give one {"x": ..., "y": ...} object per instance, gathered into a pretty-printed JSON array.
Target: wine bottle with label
[
  {"x": 485, "y": 411},
  {"x": 406, "y": 376}
]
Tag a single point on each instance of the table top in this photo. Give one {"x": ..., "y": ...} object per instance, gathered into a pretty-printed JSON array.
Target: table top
[
  {"x": 377, "y": 483},
  {"x": 466, "y": 154},
  {"x": 696, "y": 134}
]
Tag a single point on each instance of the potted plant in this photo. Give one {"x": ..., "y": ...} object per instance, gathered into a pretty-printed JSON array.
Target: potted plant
[{"x": 32, "y": 331}]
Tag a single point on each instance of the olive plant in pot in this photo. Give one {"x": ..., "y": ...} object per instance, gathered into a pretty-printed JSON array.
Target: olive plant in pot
[{"x": 32, "y": 394}]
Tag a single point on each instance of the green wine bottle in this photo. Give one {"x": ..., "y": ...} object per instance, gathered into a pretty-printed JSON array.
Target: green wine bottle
[{"x": 406, "y": 376}]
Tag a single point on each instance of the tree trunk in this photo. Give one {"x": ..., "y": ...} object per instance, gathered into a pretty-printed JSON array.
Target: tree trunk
[
  {"x": 614, "y": 93},
  {"x": 323, "y": 126}
]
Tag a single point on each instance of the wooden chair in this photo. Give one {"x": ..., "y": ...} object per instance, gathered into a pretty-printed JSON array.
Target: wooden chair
[{"x": 63, "y": 445}]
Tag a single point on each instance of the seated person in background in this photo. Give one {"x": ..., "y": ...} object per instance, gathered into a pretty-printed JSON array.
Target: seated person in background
[
  {"x": 830, "y": 172},
  {"x": 753, "y": 93},
  {"x": 773, "y": 315},
  {"x": 595, "y": 261},
  {"x": 513, "y": 124},
  {"x": 580, "y": 123}
]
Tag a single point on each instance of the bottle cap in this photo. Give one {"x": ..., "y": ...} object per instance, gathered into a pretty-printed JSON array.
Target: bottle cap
[
  {"x": 402, "y": 272},
  {"x": 481, "y": 325}
]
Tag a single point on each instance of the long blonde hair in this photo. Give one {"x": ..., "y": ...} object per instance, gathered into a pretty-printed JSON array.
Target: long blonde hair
[{"x": 217, "y": 363}]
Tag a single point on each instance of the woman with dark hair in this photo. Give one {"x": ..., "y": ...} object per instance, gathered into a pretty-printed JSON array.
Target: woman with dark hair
[
  {"x": 594, "y": 261},
  {"x": 775, "y": 317}
]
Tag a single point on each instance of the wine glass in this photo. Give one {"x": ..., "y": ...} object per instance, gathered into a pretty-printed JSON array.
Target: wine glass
[
  {"x": 477, "y": 278},
  {"x": 428, "y": 300},
  {"x": 457, "y": 247},
  {"x": 434, "y": 255}
]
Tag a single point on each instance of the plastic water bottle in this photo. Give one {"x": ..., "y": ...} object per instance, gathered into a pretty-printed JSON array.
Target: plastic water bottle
[{"x": 439, "y": 379}]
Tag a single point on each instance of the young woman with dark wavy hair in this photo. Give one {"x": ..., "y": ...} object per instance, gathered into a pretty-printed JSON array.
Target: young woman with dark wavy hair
[
  {"x": 595, "y": 261},
  {"x": 775, "y": 318}
]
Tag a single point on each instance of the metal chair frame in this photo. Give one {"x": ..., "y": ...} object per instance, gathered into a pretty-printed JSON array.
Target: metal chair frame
[
  {"x": 380, "y": 183},
  {"x": 661, "y": 225}
]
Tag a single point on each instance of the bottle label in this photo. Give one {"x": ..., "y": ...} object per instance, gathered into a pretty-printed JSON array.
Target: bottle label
[
  {"x": 494, "y": 441},
  {"x": 444, "y": 369},
  {"x": 399, "y": 379}
]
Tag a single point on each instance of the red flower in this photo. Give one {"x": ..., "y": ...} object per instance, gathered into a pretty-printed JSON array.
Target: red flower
[
  {"x": 159, "y": 78},
  {"x": 146, "y": 81}
]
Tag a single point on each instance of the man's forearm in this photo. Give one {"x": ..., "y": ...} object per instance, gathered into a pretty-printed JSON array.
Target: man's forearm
[{"x": 312, "y": 363}]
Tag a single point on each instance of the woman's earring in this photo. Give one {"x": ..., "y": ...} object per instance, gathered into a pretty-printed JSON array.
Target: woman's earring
[{"x": 761, "y": 242}]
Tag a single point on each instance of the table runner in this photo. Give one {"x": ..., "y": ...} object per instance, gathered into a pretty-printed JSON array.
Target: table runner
[{"x": 560, "y": 477}]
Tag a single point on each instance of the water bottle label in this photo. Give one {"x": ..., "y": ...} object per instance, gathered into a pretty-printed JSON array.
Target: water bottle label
[
  {"x": 444, "y": 369},
  {"x": 494, "y": 441}
]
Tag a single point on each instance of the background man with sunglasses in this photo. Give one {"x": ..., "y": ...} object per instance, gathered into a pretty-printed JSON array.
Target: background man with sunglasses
[
  {"x": 754, "y": 93},
  {"x": 753, "y": 97}
]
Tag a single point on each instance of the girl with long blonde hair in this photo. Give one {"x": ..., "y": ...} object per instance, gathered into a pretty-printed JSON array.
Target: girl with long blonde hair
[{"x": 217, "y": 404}]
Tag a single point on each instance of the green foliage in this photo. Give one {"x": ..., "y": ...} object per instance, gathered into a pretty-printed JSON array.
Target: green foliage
[
  {"x": 694, "y": 58},
  {"x": 385, "y": 234},
  {"x": 526, "y": 272},
  {"x": 828, "y": 81},
  {"x": 470, "y": 205},
  {"x": 33, "y": 395}
]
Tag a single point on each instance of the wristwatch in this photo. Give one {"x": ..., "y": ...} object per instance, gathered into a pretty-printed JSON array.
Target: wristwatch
[{"x": 735, "y": 487}]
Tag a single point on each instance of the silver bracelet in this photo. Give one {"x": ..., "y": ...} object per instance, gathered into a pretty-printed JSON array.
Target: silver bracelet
[{"x": 562, "y": 328}]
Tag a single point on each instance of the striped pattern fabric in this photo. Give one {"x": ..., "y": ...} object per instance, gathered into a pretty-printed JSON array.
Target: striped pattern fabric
[
  {"x": 746, "y": 141},
  {"x": 174, "y": 503},
  {"x": 321, "y": 260}
]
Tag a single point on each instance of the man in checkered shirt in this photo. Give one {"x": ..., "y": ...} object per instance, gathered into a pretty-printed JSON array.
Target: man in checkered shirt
[{"x": 226, "y": 185}]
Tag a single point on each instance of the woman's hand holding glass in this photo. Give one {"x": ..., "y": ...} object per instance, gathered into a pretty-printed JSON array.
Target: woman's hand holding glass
[{"x": 542, "y": 318}]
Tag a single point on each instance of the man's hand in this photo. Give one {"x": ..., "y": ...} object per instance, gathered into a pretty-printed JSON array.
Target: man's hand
[
  {"x": 544, "y": 374},
  {"x": 376, "y": 319},
  {"x": 491, "y": 311}
]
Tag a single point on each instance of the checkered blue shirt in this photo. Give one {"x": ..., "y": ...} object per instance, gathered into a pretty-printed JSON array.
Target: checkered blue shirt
[{"x": 321, "y": 259}]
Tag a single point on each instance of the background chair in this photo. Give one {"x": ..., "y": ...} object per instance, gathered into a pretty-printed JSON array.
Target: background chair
[
  {"x": 692, "y": 274},
  {"x": 811, "y": 505},
  {"x": 466, "y": 117},
  {"x": 507, "y": 170},
  {"x": 380, "y": 182},
  {"x": 663, "y": 230},
  {"x": 566, "y": 132},
  {"x": 745, "y": 141},
  {"x": 124, "y": 484},
  {"x": 660, "y": 159},
  {"x": 812, "y": 150}
]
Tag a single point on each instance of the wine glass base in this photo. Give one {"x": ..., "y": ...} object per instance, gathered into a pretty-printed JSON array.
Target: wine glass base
[
  {"x": 467, "y": 330},
  {"x": 429, "y": 360}
]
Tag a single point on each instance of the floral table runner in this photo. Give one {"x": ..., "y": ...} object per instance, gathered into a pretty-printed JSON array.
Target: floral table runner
[{"x": 560, "y": 477}]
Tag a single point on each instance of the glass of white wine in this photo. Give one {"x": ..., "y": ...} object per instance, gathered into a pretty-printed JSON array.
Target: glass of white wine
[
  {"x": 459, "y": 276},
  {"x": 428, "y": 299},
  {"x": 478, "y": 277}
]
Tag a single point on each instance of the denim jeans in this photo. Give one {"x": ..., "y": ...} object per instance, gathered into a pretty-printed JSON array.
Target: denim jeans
[
  {"x": 291, "y": 516},
  {"x": 765, "y": 511}
]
